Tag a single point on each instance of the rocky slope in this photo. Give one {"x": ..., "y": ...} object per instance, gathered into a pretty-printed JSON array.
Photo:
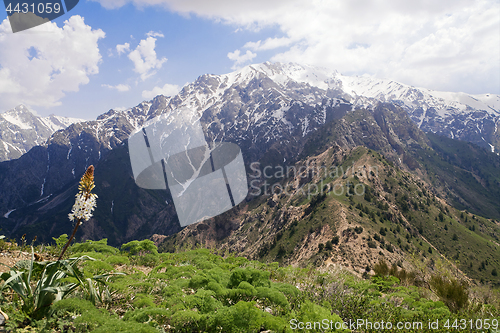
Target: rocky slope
[{"x": 354, "y": 209}]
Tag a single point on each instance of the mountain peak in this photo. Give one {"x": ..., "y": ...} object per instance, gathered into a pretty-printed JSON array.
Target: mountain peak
[
  {"x": 20, "y": 109},
  {"x": 21, "y": 129}
]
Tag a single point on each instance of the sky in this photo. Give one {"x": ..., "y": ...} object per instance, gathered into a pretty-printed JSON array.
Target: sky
[{"x": 106, "y": 54}]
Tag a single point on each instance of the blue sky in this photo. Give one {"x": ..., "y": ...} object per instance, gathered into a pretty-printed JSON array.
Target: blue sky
[{"x": 116, "y": 53}]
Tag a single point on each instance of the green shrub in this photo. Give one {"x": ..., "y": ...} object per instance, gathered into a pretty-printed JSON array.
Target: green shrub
[
  {"x": 160, "y": 315},
  {"x": 198, "y": 281},
  {"x": 145, "y": 246},
  {"x": 117, "y": 260},
  {"x": 96, "y": 267},
  {"x": 148, "y": 259},
  {"x": 381, "y": 268},
  {"x": 385, "y": 283},
  {"x": 115, "y": 325},
  {"x": 273, "y": 295},
  {"x": 452, "y": 292},
  {"x": 254, "y": 277},
  {"x": 217, "y": 288},
  {"x": 143, "y": 300},
  {"x": 94, "y": 246},
  {"x": 75, "y": 305},
  {"x": 313, "y": 313},
  {"x": 321, "y": 246},
  {"x": 244, "y": 291},
  {"x": 244, "y": 317},
  {"x": 204, "y": 301},
  {"x": 60, "y": 241},
  {"x": 171, "y": 290},
  {"x": 188, "y": 321}
]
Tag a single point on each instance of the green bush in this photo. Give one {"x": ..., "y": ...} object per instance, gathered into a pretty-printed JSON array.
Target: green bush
[
  {"x": 310, "y": 312},
  {"x": 204, "y": 301},
  {"x": 244, "y": 317},
  {"x": 143, "y": 300},
  {"x": 254, "y": 277},
  {"x": 148, "y": 259},
  {"x": 198, "y": 281},
  {"x": 74, "y": 305},
  {"x": 93, "y": 246},
  {"x": 60, "y": 241},
  {"x": 274, "y": 296},
  {"x": 381, "y": 268},
  {"x": 96, "y": 267},
  {"x": 137, "y": 247},
  {"x": 452, "y": 292},
  {"x": 117, "y": 260},
  {"x": 115, "y": 325}
]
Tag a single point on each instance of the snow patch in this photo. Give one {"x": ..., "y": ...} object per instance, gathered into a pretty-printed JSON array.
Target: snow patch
[
  {"x": 6, "y": 215},
  {"x": 6, "y": 147},
  {"x": 43, "y": 186},
  {"x": 14, "y": 118}
]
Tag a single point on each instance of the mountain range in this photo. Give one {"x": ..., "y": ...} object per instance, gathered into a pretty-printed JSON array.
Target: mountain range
[
  {"x": 280, "y": 115},
  {"x": 21, "y": 130}
]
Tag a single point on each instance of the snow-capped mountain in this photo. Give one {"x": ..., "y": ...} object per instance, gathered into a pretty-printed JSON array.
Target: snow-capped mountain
[
  {"x": 269, "y": 110},
  {"x": 21, "y": 130},
  {"x": 268, "y": 96},
  {"x": 473, "y": 118}
]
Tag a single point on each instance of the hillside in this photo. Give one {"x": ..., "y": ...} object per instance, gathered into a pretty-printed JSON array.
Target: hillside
[
  {"x": 353, "y": 209},
  {"x": 201, "y": 291}
]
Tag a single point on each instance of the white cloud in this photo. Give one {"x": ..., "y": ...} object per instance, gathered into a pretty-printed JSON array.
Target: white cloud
[
  {"x": 38, "y": 66},
  {"x": 268, "y": 44},
  {"x": 167, "y": 90},
  {"x": 118, "y": 87},
  {"x": 447, "y": 45},
  {"x": 239, "y": 59},
  {"x": 122, "y": 48},
  {"x": 144, "y": 57},
  {"x": 155, "y": 34}
]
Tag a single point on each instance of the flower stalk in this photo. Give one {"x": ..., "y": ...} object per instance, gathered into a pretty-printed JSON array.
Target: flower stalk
[{"x": 84, "y": 204}]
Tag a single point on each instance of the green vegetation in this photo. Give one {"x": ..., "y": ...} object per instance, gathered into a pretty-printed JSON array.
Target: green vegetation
[
  {"x": 198, "y": 291},
  {"x": 38, "y": 285}
]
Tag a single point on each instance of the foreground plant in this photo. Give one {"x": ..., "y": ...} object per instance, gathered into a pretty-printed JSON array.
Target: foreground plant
[
  {"x": 40, "y": 284},
  {"x": 84, "y": 204}
]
